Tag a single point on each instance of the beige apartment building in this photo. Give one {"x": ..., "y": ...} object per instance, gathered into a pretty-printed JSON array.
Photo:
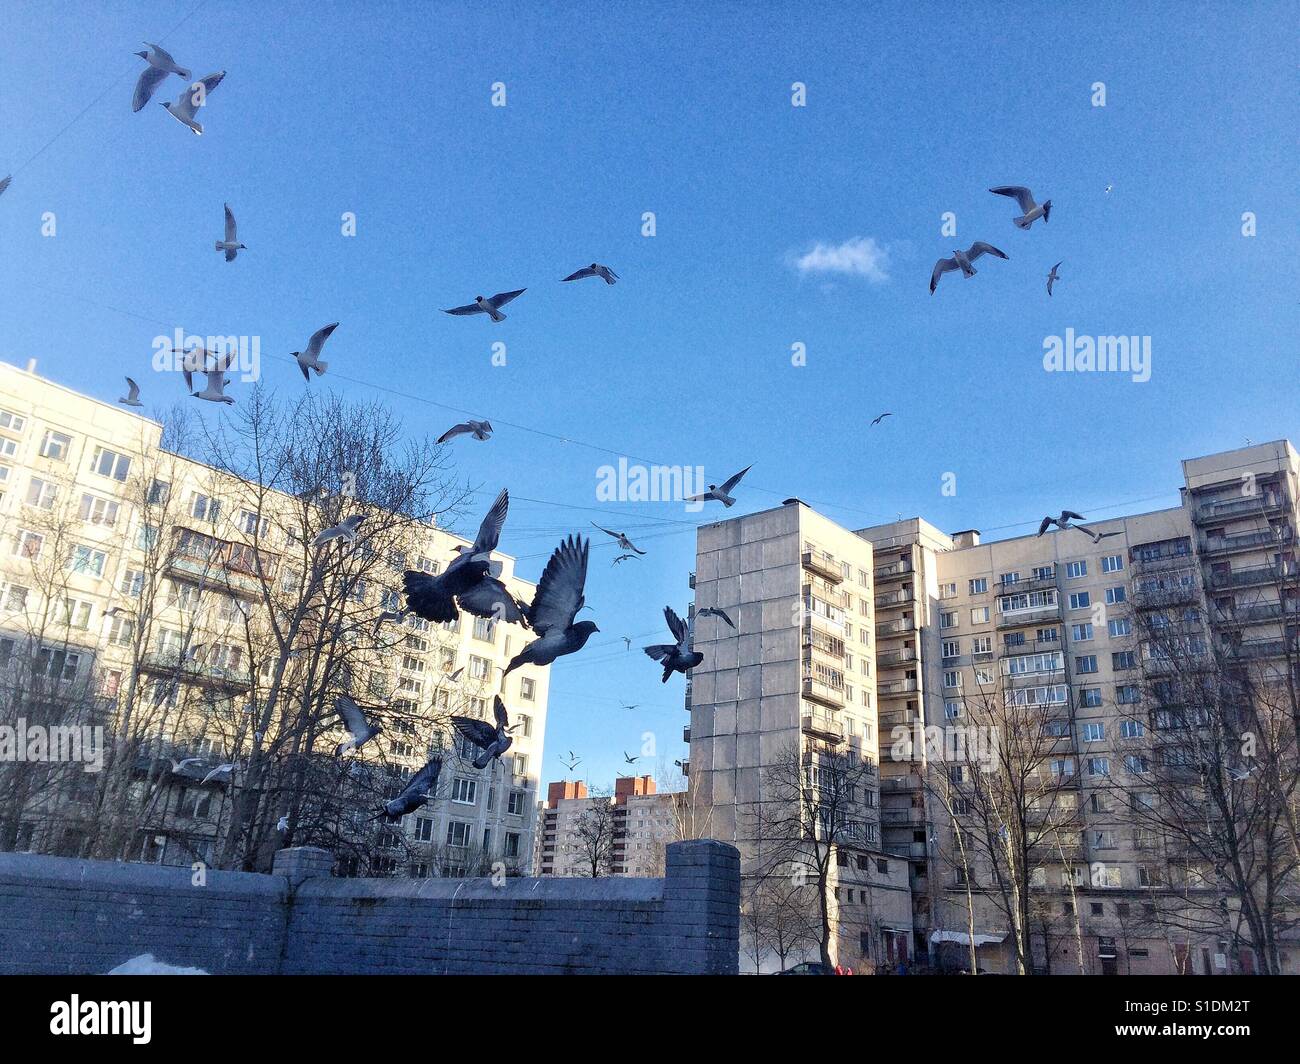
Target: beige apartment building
[
  {"x": 910, "y": 625},
  {"x": 74, "y": 537},
  {"x": 626, "y": 832}
]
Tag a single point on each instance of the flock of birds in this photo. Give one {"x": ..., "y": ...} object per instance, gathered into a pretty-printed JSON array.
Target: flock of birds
[{"x": 1030, "y": 212}]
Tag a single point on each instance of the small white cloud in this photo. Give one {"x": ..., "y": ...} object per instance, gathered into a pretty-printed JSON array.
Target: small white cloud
[{"x": 859, "y": 256}]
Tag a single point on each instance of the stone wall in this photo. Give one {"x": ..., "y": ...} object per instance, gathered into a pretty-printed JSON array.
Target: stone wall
[{"x": 59, "y": 915}]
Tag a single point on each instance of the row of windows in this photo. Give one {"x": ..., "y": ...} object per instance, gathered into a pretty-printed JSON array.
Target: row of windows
[{"x": 1077, "y": 570}]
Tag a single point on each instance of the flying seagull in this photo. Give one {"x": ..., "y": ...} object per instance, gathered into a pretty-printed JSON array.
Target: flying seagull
[
  {"x": 623, "y": 541},
  {"x": 282, "y": 825},
  {"x": 1108, "y": 188},
  {"x": 4, "y": 184},
  {"x": 878, "y": 420},
  {"x": 961, "y": 260},
  {"x": 1052, "y": 278},
  {"x": 345, "y": 530},
  {"x": 310, "y": 359},
  {"x": 627, "y": 642},
  {"x": 557, "y": 602},
  {"x": 676, "y": 657},
  {"x": 490, "y": 307},
  {"x": 1062, "y": 522},
  {"x": 1097, "y": 537},
  {"x": 213, "y": 392},
  {"x": 195, "y": 360},
  {"x": 623, "y": 558},
  {"x": 354, "y": 720},
  {"x": 572, "y": 763},
  {"x": 184, "y": 763},
  {"x": 492, "y": 741},
  {"x": 160, "y": 65},
  {"x": 480, "y": 430},
  {"x": 389, "y": 615},
  {"x": 231, "y": 245},
  {"x": 629, "y": 705},
  {"x": 1031, "y": 211},
  {"x": 721, "y": 493},
  {"x": 630, "y": 760},
  {"x": 194, "y": 97},
  {"x": 1240, "y": 773},
  {"x": 220, "y": 774},
  {"x": 713, "y": 611},
  {"x": 594, "y": 270},
  {"x": 415, "y": 793},
  {"x": 468, "y": 581},
  {"x": 132, "y": 394}
]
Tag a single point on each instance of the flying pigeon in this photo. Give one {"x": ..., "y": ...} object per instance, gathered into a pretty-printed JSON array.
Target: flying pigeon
[
  {"x": 676, "y": 657},
  {"x": 622, "y": 558},
  {"x": 1052, "y": 278},
  {"x": 415, "y": 793},
  {"x": 714, "y": 611},
  {"x": 1062, "y": 522},
  {"x": 468, "y": 581},
  {"x": 1031, "y": 210},
  {"x": 557, "y": 602},
  {"x": 194, "y": 97},
  {"x": 345, "y": 530},
  {"x": 220, "y": 774},
  {"x": 623, "y": 541},
  {"x": 160, "y": 65},
  {"x": 721, "y": 493},
  {"x": 490, "y": 307},
  {"x": 493, "y": 742},
  {"x": 231, "y": 245},
  {"x": 480, "y": 430},
  {"x": 961, "y": 260},
  {"x": 310, "y": 359},
  {"x": 213, "y": 393},
  {"x": 630, "y": 760},
  {"x": 5, "y": 183},
  {"x": 132, "y": 394},
  {"x": 354, "y": 720},
  {"x": 594, "y": 270},
  {"x": 877, "y": 420}
]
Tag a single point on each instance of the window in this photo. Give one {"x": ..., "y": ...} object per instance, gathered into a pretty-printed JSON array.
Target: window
[
  {"x": 979, "y": 585},
  {"x": 1009, "y": 578},
  {"x": 54, "y": 445},
  {"x": 484, "y": 629},
  {"x": 1047, "y": 635},
  {"x": 132, "y": 582},
  {"x": 205, "y": 508},
  {"x": 982, "y": 644},
  {"x": 952, "y": 710},
  {"x": 1057, "y": 728},
  {"x": 1090, "y": 697},
  {"x": 458, "y": 833},
  {"x": 463, "y": 791},
  {"x": 952, "y": 648},
  {"x": 979, "y": 615},
  {"x": 98, "y": 511},
  {"x": 1112, "y": 563},
  {"x": 57, "y": 664},
  {"x": 512, "y": 844},
  {"x": 1098, "y": 766},
  {"x": 1131, "y": 729},
  {"x": 1124, "y": 659},
  {"x": 952, "y": 678},
  {"x": 515, "y": 803},
  {"x": 1114, "y": 595},
  {"x": 1080, "y": 600},
  {"x": 1081, "y": 633},
  {"x": 11, "y": 422},
  {"x": 1075, "y": 570},
  {"x": 76, "y": 613},
  {"x": 1044, "y": 572},
  {"x": 1136, "y": 764},
  {"x": 87, "y": 561},
  {"x": 527, "y": 689},
  {"x": 1086, "y": 663},
  {"x": 122, "y": 630},
  {"x": 252, "y": 525},
  {"x": 1062, "y": 766},
  {"x": 110, "y": 464},
  {"x": 14, "y": 597},
  {"x": 1094, "y": 732},
  {"x": 28, "y": 544},
  {"x": 424, "y": 829},
  {"x": 42, "y": 494},
  {"x": 1127, "y": 694},
  {"x": 479, "y": 668},
  {"x": 1120, "y": 627},
  {"x": 947, "y": 591},
  {"x": 948, "y": 619}
]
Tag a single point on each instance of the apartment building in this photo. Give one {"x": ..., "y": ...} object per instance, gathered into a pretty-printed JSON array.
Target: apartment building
[
  {"x": 1060, "y": 622},
  {"x": 73, "y": 539},
  {"x": 626, "y": 832}
]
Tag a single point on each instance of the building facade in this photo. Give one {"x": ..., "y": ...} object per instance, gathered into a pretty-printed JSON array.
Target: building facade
[
  {"x": 89, "y": 602},
  {"x": 623, "y": 834}
]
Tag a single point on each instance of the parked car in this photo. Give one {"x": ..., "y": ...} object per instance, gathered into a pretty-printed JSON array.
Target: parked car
[{"x": 807, "y": 968}]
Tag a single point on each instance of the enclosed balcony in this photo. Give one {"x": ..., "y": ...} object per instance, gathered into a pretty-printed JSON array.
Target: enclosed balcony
[
  {"x": 1034, "y": 615},
  {"x": 823, "y": 565},
  {"x": 1161, "y": 596},
  {"x": 822, "y": 726},
  {"x": 1253, "y": 576},
  {"x": 896, "y": 659},
  {"x": 903, "y": 596},
  {"x": 901, "y": 626},
  {"x": 895, "y": 571},
  {"x": 819, "y": 691},
  {"x": 895, "y": 688},
  {"x": 1238, "y": 508},
  {"x": 1264, "y": 613},
  {"x": 1247, "y": 541}
]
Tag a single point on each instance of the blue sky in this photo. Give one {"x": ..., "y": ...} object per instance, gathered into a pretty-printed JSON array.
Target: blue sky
[{"x": 685, "y": 110}]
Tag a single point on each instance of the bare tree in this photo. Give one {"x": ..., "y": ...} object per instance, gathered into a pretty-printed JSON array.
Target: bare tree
[{"x": 596, "y": 831}]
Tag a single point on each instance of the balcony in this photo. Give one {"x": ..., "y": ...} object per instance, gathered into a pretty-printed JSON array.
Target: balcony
[
  {"x": 824, "y": 643},
  {"x": 1262, "y": 614},
  {"x": 1153, "y": 562},
  {"x": 896, "y": 571},
  {"x": 686, "y": 734},
  {"x": 823, "y": 565},
  {"x": 691, "y": 581},
  {"x": 822, "y": 726},
  {"x": 899, "y": 627},
  {"x": 686, "y": 698},
  {"x": 905, "y": 718},
  {"x": 895, "y": 688},
  {"x": 819, "y": 691},
  {"x": 191, "y": 671},
  {"x": 1252, "y": 649},
  {"x": 1257, "y": 574},
  {"x": 1245, "y": 541},
  {"x": 901, "y": 817},
  {"x": 686, "y": 768},
  {"x": 904, "y": 596},
  {"x": 1033, "y": 615},
  {"x": 1155, "y": 598},
  {"x": 1037, "y": 583},
  {"x": 909, "y": 781},
  {"x": 1258, "y": 505},
  {"x": 895, "y": 659}
]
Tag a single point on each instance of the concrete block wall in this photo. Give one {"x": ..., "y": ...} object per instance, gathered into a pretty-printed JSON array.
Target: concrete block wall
[{"x": 59, "y": 915}]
